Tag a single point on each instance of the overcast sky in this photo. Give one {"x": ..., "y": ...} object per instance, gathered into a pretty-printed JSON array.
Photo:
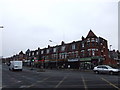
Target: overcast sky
[{"x": 29, "y": 24}]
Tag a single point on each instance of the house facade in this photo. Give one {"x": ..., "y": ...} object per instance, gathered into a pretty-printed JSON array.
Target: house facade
[{"x": 86, "y": 53}]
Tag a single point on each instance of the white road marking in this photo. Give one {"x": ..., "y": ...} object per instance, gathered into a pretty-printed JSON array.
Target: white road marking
[
  {"x": 19, "y": 81},
  {"x": 110, "y": 83},
  {"x": 39, "y": 81},
  {"x": 43, "y": 79},
  {"x": 24, "y": 86},
  {"x": 85, "y": 86},
  {"x": 60, "y": 82}
]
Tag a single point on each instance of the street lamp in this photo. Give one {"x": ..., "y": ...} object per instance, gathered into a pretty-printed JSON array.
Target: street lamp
[
  {"x": 1, "y": 45},
  {"x": 110, "y": 47},
  {"x": 56, "y": 53}
]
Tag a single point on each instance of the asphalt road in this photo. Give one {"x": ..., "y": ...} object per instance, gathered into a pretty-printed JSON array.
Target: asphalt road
[{"x": 57, "y": 79}]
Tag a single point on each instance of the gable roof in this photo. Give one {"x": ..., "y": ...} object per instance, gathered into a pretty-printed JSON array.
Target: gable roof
[{"x": 91, "y": 34}]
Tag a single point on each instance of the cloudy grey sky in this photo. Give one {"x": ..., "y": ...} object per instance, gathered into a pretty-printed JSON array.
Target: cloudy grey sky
[{"x": 32, "y": 23}]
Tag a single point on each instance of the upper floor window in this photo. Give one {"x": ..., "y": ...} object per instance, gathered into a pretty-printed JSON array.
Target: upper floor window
[
  {"x": 82, "y": 44},
  {"x": 37, "y": 52},
  {"x": 89, "y": 49},
  {"x": 96, "y": 39},
  {"x": 54, "y": 50},
  {"x": 48, "y": 51},
  {"x": 88, "y": 40},
  {"x": 73, "y": 46},
  {"x": 96, "y": 49},
  {"x": 101, "y": 43},
  {"x": 92, "y": 39},
  {"x": 32, "y": 53},
  {"x": 42, "y": 52},
  {"x": 29, "y": 54},
  {"x": 63, "y": 48},
  {"x": 82, "y": 50}
]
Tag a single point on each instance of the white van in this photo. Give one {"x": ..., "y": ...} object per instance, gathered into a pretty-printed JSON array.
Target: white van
[{"x": 15, "y": 65}]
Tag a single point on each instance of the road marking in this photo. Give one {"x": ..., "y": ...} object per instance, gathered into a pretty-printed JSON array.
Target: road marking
[
  {"x": 60, "y": 82},
  {"x": 84, "y": 82},
  {"x": 24, "y": 86},
  {"x": 110, "y": 83},
  {"x": 19, "y": 81},
  {"x": 38, "y": 81},
  {"x": 43, "y": 79}
]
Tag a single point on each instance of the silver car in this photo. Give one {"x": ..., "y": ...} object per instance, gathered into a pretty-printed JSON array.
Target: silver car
[{"x": 105, "y": 69}]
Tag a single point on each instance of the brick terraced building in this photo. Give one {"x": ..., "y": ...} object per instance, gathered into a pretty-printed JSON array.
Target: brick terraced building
[
  {"x": 86, "y": 53},
  {"x": 83, "y": 54}
]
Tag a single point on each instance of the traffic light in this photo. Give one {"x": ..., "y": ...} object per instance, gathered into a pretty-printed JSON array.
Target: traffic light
[{"x": 32, "y": 60}]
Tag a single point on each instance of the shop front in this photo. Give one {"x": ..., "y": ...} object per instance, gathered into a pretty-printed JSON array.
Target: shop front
[{"x": 90, "y": 62}]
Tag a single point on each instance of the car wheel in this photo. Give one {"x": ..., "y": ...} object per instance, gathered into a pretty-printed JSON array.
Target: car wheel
[
  {"x": 97, "y": 72},
  {"x": 111, "y": 73}
]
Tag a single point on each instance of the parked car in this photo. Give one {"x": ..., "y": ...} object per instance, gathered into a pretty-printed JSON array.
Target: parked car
[{"x": 105, "y": 69}]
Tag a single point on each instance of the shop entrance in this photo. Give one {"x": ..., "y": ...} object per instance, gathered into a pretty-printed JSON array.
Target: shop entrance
[{"x": 85, "y": 65}]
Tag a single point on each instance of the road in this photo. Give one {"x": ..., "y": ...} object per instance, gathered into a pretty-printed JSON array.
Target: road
[{"x": 57, "y": 79}]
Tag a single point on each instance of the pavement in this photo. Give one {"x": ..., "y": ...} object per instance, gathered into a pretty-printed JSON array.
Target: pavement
[{"x": 38, "y": 69}]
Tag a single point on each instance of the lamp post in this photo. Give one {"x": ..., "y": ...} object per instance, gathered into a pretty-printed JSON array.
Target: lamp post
[
  {"x": 56, "y": 53},
  {"x": 110, "y": 47},
  {"x": 1, "y": 45}
]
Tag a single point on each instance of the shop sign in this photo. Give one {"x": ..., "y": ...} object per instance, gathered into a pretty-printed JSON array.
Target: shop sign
[
  {"x": 85, "y": 59},
  {"x": 72, "y": 60}
]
